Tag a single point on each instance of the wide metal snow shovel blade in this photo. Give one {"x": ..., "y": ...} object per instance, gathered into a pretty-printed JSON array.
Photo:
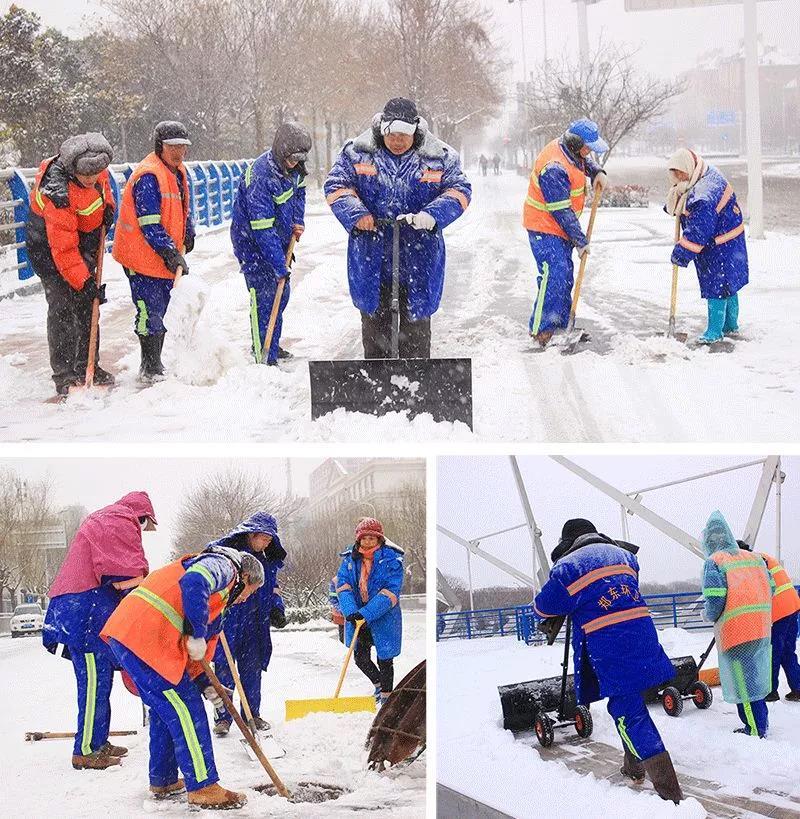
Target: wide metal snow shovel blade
[
  {"x": 439, "y": 386},
  {"x": 335, "y": 704}
]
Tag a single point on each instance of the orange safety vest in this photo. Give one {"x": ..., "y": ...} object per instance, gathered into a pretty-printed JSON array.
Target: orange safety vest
[
  {"x": 786, "y": 600},
  {"x": 537, "y": 214},
  {"x": 747, "y": 615},
  {"x": 149, "y": 622},
  {"x": 131, "y": 249}
]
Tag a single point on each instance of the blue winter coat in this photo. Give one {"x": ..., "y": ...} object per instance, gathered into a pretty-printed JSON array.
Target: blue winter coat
[
  {"x": 246, "y": 625},
  {"x": 368, "y": 178},
  {"x": 609, "y": 657},
  {"x": 713, "y": 237},
  {"x": 382, "y": 614},
  {"x": 268, "y": 204}
]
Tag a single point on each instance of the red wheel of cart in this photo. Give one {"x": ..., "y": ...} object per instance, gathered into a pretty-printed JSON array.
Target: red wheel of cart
[
  {"x": 701, "y": 695},
  {"x": 543, "y": 726},
  {"x": 672, "y": 701},
  {"x": 583, "y": 722}
]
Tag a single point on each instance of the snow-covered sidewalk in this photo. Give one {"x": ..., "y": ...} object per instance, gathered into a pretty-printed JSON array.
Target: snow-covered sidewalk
[
  {"x": 628, "y": 384},
  {"x": 38, "y": 692},
  {"x": 476, "y": 757}
]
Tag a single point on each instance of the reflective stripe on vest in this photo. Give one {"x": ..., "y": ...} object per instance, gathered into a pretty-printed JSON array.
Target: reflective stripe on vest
[
  {"x": 537, "y": 214},
  {"x": 730, "y": 235},
  {"x": 617, "y": 617},
  {"x": 785, "y": 600},
  {"x": 747, "y": 613},
  {"x": 599, "y": 574}
]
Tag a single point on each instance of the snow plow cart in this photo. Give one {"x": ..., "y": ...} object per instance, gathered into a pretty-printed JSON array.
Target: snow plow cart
[
  {"x": 546, "y": 705},
  {"x": 686, "y": 685},
  {"x": 398, "y": 731},
  {"x": 439, "y": 386}
]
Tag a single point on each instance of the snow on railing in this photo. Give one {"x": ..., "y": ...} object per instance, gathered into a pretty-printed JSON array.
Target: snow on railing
[{"x": 212, "y": 186}]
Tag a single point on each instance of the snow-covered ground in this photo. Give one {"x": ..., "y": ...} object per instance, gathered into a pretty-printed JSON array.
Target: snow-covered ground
[
  {"x": 629, "y": 384},
  {"x": 478, "y": 758},
  {"x": 38, "y": 693}
]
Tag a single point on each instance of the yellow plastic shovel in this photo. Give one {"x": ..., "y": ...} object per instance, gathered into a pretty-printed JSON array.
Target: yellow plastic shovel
[{"x": 336, "y": 704}]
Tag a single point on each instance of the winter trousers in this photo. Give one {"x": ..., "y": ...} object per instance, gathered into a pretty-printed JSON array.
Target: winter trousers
[
  {"x": 151, "y": 297},
  {"x": 381, "y": 674},
  {"x": 755, "y": 717},
  {"x": 179, "y": 732},
  {"x": 262, "y": 287},
  {"x": 249, "y": 663},
  {"x": 553, "y": 256},
  {"x": 376, "y": 329},
  {"x": 634, "y": 725},
  {"x": 94, "y": 673},
  {"x": 784, "y": 651},
  {"x": 69, "y": 319}
]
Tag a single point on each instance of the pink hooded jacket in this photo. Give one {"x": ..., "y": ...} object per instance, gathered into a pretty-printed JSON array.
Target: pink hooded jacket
[{"x": 108, "y": 543}]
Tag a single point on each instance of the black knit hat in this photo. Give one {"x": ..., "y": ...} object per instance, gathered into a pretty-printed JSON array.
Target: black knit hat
[
  {"x": 400, "y": 108},
  {"x": 169, "y": 132},
  {"x": 571, "y": 531}
]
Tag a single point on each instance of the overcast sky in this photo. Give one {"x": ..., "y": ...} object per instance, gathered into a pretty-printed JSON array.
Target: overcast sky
[
  {"x": 670, "y": 40},
  {"x": 97, "y": 482},
  {"x": 477, "y": 496}
]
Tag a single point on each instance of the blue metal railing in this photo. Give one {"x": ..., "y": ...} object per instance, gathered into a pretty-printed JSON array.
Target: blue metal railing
[
  {"x": 212, "y": 186},
  {"x": 468, "y": 625}
]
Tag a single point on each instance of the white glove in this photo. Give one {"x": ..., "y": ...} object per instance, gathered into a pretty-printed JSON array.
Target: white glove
[
  {"x": 601, "y": 180},
  {"x": 584, "y": 249},
  {"x": 196, "y": 646},
  {"x": 420, "y": 221},
  {"x": 210, "y": 693}
]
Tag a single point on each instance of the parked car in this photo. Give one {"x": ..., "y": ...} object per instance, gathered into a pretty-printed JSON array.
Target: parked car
[{"x": 28, "y": 618}]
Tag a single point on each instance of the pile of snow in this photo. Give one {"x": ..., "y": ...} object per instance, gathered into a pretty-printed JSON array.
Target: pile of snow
[{"x": 478, "y": 758}]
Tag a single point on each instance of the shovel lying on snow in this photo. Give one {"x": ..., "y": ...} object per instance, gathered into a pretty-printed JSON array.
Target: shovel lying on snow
[
  {"x": 336, "y": 704},
  {"x": 251, "y": 740},
  {"x": 439, "y": 386},
  {"x": 35, "y": 736}
]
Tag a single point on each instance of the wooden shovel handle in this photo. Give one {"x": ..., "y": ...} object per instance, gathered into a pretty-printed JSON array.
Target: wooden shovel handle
[
  {"x": 276, "y": 302},
  {"x": 582, "y": 270},
  {"x": 98, "y": 279},
  {"x": 246, "y": 733},
  {"x": 347, "y": 658},
  {"x": 238, "y": 683},
  {"x": 673, "y": 303}
]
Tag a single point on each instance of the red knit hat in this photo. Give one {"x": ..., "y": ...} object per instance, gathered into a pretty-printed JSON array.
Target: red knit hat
[{"x": 369, "y": 526}]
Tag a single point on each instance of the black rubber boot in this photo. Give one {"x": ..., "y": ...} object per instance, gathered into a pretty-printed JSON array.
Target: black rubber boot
[
  {"x": 663, "y": 776},
  {"x": 632, "y": 767},
  {"x": 151, "y": 368},
  {"x": 773, "y": 696}
]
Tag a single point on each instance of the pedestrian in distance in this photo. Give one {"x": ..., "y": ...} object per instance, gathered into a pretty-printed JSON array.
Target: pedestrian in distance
[
  {"x": 154, "y": 232},
  {"x": 738, "y": 599},
  {"x": 496, "y": 164},
  {"x": 104, "y": 560},
  {"x": 248, "y": 627},
  {"x": 159, "y": 634},
  {"x": 370, "y": 580},
  {"x": 397, "y": 170},
  {"x": 71, "y": 207},
  {"x": 268, "y": 211},
  {"x": 712, "y": 237},
  {"x": 556, "y": 197},
  {"x": 785, "y": 608},
  {"x": 616, "y": 653}
]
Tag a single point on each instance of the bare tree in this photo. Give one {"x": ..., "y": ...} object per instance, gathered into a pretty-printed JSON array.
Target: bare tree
[{"x": 608, "y": 88}]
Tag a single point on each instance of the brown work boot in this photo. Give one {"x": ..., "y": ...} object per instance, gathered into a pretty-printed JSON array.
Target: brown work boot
[
  {"x": 793, "y": 696},
  {"x": 95, "y": 761},
  {"x": 166, "y": 791},
  {"x": 663, "y": 777},
  {"x": 215, "y": 797},
  {"x": 632, "y": 767},
  {"x": 543, "y": 338},
  {"x": 222, "y": 728},
  {"x": 114, "y": 750}
]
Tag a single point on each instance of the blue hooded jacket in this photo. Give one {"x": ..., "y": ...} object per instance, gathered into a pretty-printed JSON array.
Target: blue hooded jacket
[
  {"x": 713, "y": 237},
  {"x": 381, "y": 610},
  {"x": 246, "y": 625},
  {"x": 619, "y": 654},
  {"x": 368, "y": 178},
  {"x": 268, "y": 204}
]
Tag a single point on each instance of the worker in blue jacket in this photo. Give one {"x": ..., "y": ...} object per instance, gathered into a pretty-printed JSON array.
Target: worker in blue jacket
[
  {"x": 712, "y": 237},
  {"x": 269, "y": 209},
  {"x": 247, "y": 627},
  {"x": 616, "y": 652},
  {"x": 397, "y": 170},
  {"x": 370, "y": 579},
  {"x": 555, "y": 201}
]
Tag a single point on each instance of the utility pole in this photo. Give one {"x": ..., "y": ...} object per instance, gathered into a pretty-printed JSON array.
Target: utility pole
[
  {"x": 544, "y": 30},
  {"x": 583, "y": 33},
  {"x": 752, "y": 104}
]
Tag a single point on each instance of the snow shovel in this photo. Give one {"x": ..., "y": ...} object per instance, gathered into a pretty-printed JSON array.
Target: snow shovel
[
  {"x": 237, "y": 681},
  {"x": 573, "y": 336},
  {"x": 237, "y": 718},
  {"x": 336, "y": 704},
  {"x": 36, "y": 736},
  {"x": 276, "y": 303},
  {"x": 674, "y": 297},
  {"x": 439, "y": 386}
]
